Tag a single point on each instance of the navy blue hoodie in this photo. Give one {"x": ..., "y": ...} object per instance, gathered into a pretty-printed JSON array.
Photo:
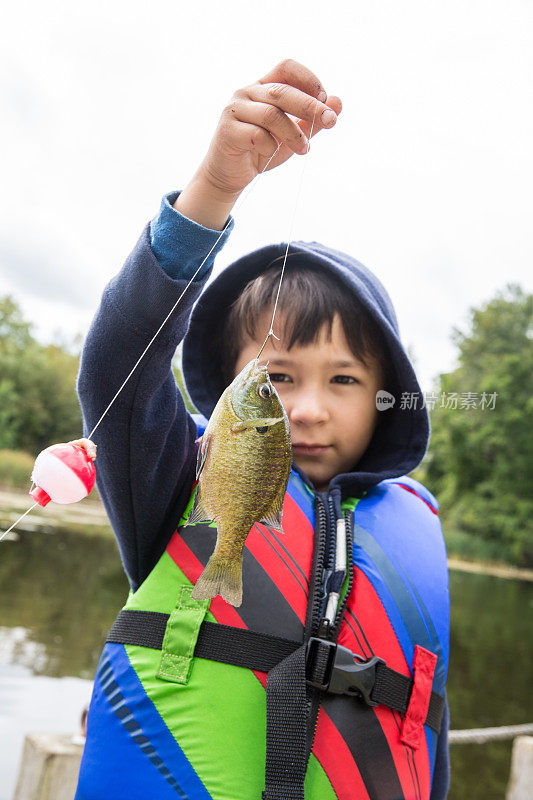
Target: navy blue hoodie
[{"x": 146, "y": 441}]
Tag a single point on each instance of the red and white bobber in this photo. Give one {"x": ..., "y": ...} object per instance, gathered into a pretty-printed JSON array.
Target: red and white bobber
[{"x": 64, "y": 473}]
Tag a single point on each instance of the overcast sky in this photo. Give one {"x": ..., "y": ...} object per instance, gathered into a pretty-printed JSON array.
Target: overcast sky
[{"x": 426, "y": 178}]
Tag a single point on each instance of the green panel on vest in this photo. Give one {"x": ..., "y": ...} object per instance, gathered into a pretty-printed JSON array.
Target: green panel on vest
[
  {"x": 317, "y": 785},
  {"x": 158, "y": 591},
  {"x": 350, "y": 503},
  {"x": 180, "y": 637}
]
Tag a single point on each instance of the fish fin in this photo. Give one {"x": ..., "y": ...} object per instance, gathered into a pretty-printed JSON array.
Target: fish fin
[
  {"x": 246, "y": 424},
  {"x": 273, "y": 520},
  {"x": 221, "y": 576},
  {"x": 203, "y": 446},
  {"x": 198, "y": 512}
]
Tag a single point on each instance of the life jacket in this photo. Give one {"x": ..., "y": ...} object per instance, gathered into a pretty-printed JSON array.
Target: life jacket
[{"x": 167, "y": 723}]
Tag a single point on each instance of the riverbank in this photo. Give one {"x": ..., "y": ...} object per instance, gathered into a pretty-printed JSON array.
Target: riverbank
[
  {"x": 88, "y": 517},
  {"x": 496, "y": 570}
]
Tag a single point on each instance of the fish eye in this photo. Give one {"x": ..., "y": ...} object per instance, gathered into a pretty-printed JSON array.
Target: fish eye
[{"x": 264, "y": 391}]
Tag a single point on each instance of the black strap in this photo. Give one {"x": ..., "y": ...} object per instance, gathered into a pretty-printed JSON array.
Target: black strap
[
  {"x": 288, "y": 704},
  {"x": 393, "y": 689},
  {"x": 143, "y": 628},
  {"x": 261, "y": 651},
  {"x": 237, "y": 646}
]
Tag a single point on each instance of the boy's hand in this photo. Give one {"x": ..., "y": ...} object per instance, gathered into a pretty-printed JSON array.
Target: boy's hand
[
  {"x": 250, "y": 129},
  {"x": 256, "y": 121}
]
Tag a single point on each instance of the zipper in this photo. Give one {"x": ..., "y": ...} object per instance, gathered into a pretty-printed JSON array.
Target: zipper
[
  {"x": 325, "y": 564},
  {"x": 318, "y": 582},
  {"x": 316, "y": 603},
  {"x": 332, "y": 539},
  {"x": 329, "y": 561},
  {"x": 324, "y": 567}
]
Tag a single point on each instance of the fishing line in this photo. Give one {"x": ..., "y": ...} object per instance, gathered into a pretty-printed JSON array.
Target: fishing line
[
  {"x": 18, "y": 520},
  {"x": 237, "y": 206},
  {"x": 271, "y": 331}
]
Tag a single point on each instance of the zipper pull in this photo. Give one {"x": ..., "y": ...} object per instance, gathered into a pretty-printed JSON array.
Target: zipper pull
[{"x": 326, "y": 576}]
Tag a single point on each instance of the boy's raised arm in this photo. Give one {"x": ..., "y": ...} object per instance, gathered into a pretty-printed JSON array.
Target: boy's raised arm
[{"x": 146, "y": 441}]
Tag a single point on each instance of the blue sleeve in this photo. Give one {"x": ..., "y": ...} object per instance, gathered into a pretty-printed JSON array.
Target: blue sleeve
[
  {"x": 180, "y": 244},
  {"x": 145, "y": 465},
  {"x": 441, "y": 772}
]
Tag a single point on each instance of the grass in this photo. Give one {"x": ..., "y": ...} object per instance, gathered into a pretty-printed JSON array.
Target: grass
[
  {"x": 460, "y": 544},
  {"x": 15, "y": 468}
]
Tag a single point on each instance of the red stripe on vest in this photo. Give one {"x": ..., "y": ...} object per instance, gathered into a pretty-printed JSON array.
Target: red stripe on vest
[
  {"x": 335, "y": 758},
  {"x": 273, "y": 537},
  {"x": 298, "y": 534},
  {"x": 368, "y": 608},
  {"x": 365, "y": 604},
  {"x": 409, "y": 489},
  {"x": 276, "y": 568},
  {"x": 424, "y": 664}
]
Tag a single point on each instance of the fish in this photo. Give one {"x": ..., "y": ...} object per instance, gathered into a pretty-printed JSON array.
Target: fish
[{"x": 243, "y": 466}]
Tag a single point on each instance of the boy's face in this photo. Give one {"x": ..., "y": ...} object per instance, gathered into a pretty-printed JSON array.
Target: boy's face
[{"x": 328, "y": 394}]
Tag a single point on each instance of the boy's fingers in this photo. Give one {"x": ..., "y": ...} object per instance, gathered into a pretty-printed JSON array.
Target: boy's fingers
[
  {"x": 272, "y": 119},
  {"x": 249, "y": 136},
  {"x": 87, "y": 445},
  {"x": 295, "y": 74},
  {"x": 292, "y": 101},
  {"x": 332, "y": 102}
]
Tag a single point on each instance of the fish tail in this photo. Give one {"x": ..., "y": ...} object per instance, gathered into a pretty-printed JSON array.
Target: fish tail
[{"x": 221, "y": 576}]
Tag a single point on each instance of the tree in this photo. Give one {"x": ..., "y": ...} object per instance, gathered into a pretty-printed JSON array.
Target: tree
[
  {"x": 480, "y": 462},
  {"x": 38, "y": 402}
]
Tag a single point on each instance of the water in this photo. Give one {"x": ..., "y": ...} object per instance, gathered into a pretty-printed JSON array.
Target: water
[
  {"x": 490, "y": 676},
  {"x": 59, "y": 595}
]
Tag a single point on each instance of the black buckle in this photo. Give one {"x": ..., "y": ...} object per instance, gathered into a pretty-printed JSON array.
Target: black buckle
[
  {"x": 313, "y": 646},
  {"x": 345, "y": 672}
]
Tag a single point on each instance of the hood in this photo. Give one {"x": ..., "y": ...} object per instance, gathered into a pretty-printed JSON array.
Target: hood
[{"x": 401, "y": 438}]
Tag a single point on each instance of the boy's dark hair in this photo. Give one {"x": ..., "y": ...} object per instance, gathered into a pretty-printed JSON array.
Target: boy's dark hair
[{"x": 309, "y": 298}]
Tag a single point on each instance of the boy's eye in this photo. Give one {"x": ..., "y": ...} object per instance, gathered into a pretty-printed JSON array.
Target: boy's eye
[
  {"x": 344, "y": 379},
  {"x": 279, "y": 377}
]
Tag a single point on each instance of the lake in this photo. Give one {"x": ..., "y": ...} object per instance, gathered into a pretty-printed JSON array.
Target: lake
[{"x": 60, "y": 593}]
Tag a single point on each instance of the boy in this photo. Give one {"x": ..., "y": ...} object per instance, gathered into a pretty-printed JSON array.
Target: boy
[{"x": 178, "y": 707}]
